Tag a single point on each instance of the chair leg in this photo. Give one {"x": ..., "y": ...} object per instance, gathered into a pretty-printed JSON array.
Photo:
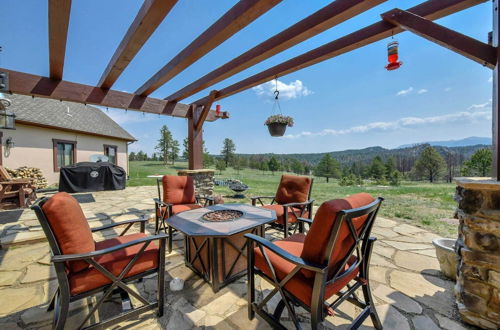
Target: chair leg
[
  {"x": 369, "y": 301},
  {"x": 250, "y": 281},
  {"x": 61, "y": 311},
  {"x": 161, "y": 280},
  {"x": 285, "y": 227}
]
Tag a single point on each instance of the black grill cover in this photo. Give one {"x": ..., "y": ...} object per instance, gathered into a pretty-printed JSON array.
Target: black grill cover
[{"x": 88, "y": 176}]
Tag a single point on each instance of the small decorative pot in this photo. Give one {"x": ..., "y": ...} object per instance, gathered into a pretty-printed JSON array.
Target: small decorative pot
[
  {"x": 445, "y": 252},
  {"x": 276, "y": 129}
]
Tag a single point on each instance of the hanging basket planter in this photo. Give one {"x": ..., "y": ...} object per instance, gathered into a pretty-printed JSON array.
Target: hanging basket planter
[{"x": 277, "y": 124}]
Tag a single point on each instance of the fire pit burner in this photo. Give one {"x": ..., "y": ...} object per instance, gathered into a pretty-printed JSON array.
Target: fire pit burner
[{"x": 222, "y": 215}]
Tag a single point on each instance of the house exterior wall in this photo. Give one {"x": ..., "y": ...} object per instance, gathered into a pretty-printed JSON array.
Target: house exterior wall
[{"x": 33, "y": 147}]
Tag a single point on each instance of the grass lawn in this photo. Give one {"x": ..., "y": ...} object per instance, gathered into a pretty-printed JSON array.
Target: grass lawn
[{"x": 421, "y": 204}]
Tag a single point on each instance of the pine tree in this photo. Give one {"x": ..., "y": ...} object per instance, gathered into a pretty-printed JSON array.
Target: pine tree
[
  {"x": 479, "y": 163},
  {"x": 174, "y": 151},
  {"x": 328, "y": 167},
  {"x": 220, "y": 165},
  {"x": 228, "y": 150},
  {"x": 430, "y": 164},
  {"x": 165, "y": 143},
  {"x": 273, "y": 164}
]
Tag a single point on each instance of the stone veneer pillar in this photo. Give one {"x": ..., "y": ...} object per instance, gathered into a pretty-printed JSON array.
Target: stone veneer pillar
[
  {"x": 203, "y": 180},
  {"x": 478, "y": 247}
]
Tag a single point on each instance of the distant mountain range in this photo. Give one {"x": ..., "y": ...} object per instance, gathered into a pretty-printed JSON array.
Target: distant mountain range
[
  {"x": 469, "y": 141},
  {"x": 465, "y": 148}
]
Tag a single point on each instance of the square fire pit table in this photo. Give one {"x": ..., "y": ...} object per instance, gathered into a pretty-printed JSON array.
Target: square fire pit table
[{"x": 216, "y": 250}]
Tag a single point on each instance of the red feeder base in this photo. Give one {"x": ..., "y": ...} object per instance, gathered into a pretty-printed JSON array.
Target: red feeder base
[{"x": 393, "y": 66}]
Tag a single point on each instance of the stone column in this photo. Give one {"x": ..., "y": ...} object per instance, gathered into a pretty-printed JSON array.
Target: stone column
[
  {"x": 203, "y": 180},
  {"x": 478, "y": 248}
]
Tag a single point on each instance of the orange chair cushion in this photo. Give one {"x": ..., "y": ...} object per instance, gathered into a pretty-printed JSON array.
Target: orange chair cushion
[
  {"x": 299, "y": 285},
  {"x": 178, "y": 189},
  {"x": 115, "y": 262},
  {"x": 293, "y": 189},
  {"x": 70, "y": 227},
  {"x": 280, "y": 213},
  {"x": 178, "y": 208},
  {"x": 317, "y": 238}
]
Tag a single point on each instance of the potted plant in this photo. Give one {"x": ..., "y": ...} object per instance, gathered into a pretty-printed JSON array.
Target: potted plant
[{"x": 277, "y": 124}]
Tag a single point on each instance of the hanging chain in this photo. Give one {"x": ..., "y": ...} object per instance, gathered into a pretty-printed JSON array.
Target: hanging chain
[{"x": 276, "y": 104}]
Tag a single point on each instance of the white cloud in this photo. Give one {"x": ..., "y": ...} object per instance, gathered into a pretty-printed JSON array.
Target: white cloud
[
  {"x": 447, "y": 89},
  {"x": 490, "y": 80},
  {"x": 407, "y": 122},
  {"x": 422, "y": 91},
  {"x": 287, "y": 91},
  {"x": 405, "y": 91},
  {"x": 480, "y": 105}
]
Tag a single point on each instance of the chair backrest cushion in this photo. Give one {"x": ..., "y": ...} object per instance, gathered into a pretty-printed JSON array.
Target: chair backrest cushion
[
  {"x": 316, "y": 241},
  {"x": 293, "y": 189},
  {"x": 178, "y": 189},
  {"x": 70, "y": 227}
]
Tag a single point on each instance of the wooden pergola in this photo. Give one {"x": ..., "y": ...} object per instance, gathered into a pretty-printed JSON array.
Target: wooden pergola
[{"x": 418, "y": 19}]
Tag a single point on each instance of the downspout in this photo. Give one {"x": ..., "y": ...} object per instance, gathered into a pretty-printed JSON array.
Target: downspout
[{"x": 126, "y": 153}]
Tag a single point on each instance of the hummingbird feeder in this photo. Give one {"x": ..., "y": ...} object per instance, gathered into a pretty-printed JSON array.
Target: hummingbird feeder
[{"x": 392, "y": 56}]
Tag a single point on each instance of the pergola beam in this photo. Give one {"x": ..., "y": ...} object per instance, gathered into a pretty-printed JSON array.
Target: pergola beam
[
  {"x": 471, "y": 48},
  {"x": 148, "y": 18},
  {"x": 235, "y": 19},
  {"x": 28, "y": 84},
  {"x": 59, "y": 11},
  {"x": 432, "y": 9},
  {"x": 325, "y": 18}
]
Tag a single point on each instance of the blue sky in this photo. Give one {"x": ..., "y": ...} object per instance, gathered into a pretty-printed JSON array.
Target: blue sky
[{"x": 349, "y": 101}]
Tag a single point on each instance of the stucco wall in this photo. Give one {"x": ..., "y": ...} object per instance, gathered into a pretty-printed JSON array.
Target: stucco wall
[{"x": 34, "y": 147}]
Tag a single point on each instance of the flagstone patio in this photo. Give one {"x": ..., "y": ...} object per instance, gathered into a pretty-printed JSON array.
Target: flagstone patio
[{"x": 408, "y": 287}]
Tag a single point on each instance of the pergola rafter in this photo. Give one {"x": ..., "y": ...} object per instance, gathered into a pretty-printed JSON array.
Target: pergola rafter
[
  {"x": 333, "y": 14},
  {"x": 235, "y": 19},
  {"x": 432, "y": 9},
  {"x": 471, "y": 48},
  {"x": 59, "y": 11},
  {"x": 148, "y": 18}
]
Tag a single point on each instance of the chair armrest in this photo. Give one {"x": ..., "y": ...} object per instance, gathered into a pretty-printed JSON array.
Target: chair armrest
[
  {"x": 83, "y": 256},
  {"x": 299, "y": 204},
  {"x": 284, "y": 254},
  {"x": 259, "y": 197},
  {"x": 208, "y": 200},
  {"x": 308, "y": 221},
  {"x": 111, "y": 225},
  {"x": 161, "y": 203}
]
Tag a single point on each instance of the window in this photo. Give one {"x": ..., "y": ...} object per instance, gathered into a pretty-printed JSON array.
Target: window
[
  {"x": 64, "y": 153},
  {"x": 112, "y": 153}
]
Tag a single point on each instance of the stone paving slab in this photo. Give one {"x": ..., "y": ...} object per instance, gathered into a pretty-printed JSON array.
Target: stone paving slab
[{"x": 409, "y": 291}]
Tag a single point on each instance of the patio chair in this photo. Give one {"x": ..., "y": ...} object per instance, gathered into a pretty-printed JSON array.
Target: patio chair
[
  {"x": 15, "y": 193},
  {"x": 86, "y": 268},
  {"x": 178, "y": 196},
  {"x": 307, "y": 270},
  {"x": 292, "y": 201}
]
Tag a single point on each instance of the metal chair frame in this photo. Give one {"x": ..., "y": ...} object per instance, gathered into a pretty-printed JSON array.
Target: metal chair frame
[
  {"x": 164, "y": 210},
  {"x": 362, "y": 247},
  {"x": 62, "y": 297},
  {"x": 304, "y": 207}
]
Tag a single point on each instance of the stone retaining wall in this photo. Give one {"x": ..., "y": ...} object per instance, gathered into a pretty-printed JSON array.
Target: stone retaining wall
[
  {"x": 203, "y": 180},
  {"x": 478, "y": 275}
]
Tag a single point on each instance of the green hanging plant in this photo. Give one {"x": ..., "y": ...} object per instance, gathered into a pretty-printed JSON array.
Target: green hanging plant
[{"x": 279, "y": 119}]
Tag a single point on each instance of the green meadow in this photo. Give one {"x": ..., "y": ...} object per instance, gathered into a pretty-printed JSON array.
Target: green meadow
[{"x": 422, "y": 204}]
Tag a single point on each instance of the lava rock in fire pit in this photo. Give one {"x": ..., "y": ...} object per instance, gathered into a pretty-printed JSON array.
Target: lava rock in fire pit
[{"x": 222, "y": 215}]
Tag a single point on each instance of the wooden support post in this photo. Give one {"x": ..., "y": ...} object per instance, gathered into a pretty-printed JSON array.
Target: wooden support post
[
  {"x": 496, "y": 96},
  {"x": 195, "y": 139},
  {"x": 206, "y": 110}
]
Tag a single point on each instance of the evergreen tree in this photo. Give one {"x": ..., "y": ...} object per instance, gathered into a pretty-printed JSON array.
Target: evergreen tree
[
  {"x": 390, "y": 167},
  {"x": 174, "y": 151},
  {"x": 297, "y": 166},
  {"x": 479, "y": 163},
  {"x": 378, "y": 169},
  {"x": 185, "y": 150},
  {"x": 273, "y": 165},
  {"x": 131, "y": 156},
  {"x": 228, "y": 150},
  {"x": 220, "y": 165},
  {"x": 165, "y": 143},
  {"x": 264, "y": 167},
  {"x": 430, "y": 164},
  {"x": 328, "y": 167}
]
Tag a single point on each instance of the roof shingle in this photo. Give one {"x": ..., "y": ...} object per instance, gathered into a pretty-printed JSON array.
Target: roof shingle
[{"x": 66, "y": 115}]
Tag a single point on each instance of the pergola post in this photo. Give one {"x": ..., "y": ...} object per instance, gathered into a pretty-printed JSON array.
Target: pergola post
[
  {"x": 495, "y": 96},
  {"x": 195, "y": 138}
]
